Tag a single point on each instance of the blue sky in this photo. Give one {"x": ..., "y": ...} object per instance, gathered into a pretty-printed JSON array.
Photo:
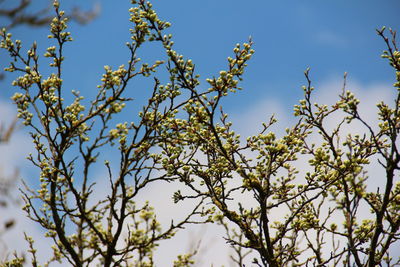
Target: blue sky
[{"x": 330, "y": 37}]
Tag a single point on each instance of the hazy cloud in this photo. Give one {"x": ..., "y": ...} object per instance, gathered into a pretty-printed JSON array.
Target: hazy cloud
[{"x": 330, "y": 38}]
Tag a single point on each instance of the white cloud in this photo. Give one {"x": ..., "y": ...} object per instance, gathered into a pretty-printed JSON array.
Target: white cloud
[
  {"x": 369, "y": 96},
  {"x": 208, "y": 239},
  {"x": 13, "y": 157},
  {"x": 326, "y": 93},
  {"x": 13, "y": 152},
  {"x": 213, "y": 249},
  {"x": 13, "y": 240},
  {"x": 249, "y": 122}
]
